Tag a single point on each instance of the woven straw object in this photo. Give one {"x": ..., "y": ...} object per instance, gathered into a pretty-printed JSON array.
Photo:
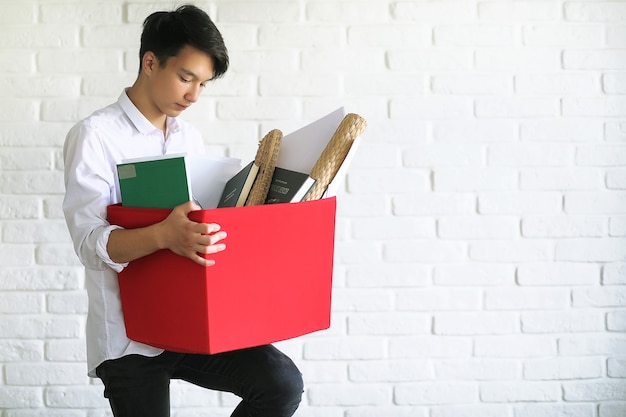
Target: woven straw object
[
  {"x": 334, "y": 153},
  {"x": 265, "y": 158}
]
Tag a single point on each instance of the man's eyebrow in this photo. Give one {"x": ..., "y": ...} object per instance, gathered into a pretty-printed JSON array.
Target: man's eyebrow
[{"x": 192, "y": 74}]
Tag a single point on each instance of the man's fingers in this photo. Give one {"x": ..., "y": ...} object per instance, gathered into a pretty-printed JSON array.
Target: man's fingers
[
  {"x": 210, "y": 239},
  {"x": 202, "y": 261},
  {"x": 214, "y": 238},
  {"x": 207, "y": 249},
  {"x": 206, "y": 228},
  {"x": 187, "y": 207}
]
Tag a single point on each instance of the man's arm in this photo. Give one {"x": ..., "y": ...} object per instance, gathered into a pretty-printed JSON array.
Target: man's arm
[{"x": 176, "y": 233}]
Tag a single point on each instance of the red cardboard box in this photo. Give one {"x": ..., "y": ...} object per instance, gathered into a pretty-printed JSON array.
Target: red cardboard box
[{"x": 273, "y": 281}]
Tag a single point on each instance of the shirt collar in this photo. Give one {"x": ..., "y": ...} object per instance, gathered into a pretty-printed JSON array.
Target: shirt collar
[
  {"x": 172, "y": 125},
  {"x": 142, "y": 124}
]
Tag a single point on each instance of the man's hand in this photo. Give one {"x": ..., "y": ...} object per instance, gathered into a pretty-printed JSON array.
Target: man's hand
[
  {"x": 176, "y": 233},
  {"x": 188, "y": 238}
]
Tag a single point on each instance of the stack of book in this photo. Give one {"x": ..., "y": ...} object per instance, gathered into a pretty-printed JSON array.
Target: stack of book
[{"x": 305, "y": 165}]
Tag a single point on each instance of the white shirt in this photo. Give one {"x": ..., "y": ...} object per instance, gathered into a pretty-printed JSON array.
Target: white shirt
[{"x": 93, "y": 148}]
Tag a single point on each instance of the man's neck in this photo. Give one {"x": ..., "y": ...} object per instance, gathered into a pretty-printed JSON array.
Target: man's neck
[{"x": 139, "y": 97}]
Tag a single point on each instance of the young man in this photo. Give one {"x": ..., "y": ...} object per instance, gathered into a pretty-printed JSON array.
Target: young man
[{"x": 180, "y": 52}]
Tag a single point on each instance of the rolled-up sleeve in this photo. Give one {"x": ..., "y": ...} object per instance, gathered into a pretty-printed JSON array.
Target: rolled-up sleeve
[{"x": 89, "y": 189}]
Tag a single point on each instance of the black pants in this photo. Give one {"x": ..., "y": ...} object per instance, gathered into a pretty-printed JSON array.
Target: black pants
[{"x": 268, "y": 382}]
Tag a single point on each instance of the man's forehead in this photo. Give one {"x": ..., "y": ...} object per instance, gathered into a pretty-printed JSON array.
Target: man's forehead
[{"x": 194, "y": 63}]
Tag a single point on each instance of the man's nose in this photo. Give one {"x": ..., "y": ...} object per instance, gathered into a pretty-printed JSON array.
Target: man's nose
[{"x": 193, "y": 94}]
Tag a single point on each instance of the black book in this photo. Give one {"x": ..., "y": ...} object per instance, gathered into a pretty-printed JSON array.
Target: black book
[
  {"x": 288, "y": 186},
  {"x": 238, "y": 187}
]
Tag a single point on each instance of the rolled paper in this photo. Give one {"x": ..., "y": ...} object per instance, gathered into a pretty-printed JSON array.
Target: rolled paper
[
  {"x": 334, "y": 153},
  {"x": 265, "y": 158}
]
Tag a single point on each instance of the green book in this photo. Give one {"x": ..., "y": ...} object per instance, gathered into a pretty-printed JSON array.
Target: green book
[
  {"x": 155, "y": 183},
  {"x": 166, "y": 181}
]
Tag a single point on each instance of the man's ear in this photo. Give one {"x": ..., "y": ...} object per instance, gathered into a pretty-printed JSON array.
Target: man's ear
[{"x": 149, "y": 62}]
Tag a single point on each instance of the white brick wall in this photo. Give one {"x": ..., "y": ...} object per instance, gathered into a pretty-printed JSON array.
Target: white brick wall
[{"x": 481, "y": 241}]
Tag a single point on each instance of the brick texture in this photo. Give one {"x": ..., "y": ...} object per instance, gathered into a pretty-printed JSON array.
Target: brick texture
[{"x": 480, "y": 266}]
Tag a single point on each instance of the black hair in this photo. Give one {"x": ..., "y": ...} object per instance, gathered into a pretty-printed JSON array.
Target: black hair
[{"x": 166, "y": 33}]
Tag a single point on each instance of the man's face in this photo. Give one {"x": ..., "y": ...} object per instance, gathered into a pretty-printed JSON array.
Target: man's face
[{"x": 179, "y": 84}]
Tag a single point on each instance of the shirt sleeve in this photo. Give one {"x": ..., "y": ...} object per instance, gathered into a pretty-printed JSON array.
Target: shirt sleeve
[{"x": 89, "y": 189}]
